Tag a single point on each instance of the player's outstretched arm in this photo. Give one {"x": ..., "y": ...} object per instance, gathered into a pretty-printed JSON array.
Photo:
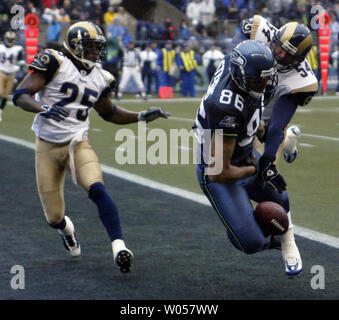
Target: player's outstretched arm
[
  {"x": 22, "y": 97},
  {"x": 31, "y": 84},
  {"x": 229, "y": 172},
  {"x": 112, "y": 113}
]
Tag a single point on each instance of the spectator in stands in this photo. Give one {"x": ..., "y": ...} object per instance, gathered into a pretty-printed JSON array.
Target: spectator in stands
[
  {"x": 207, "y": 11},
  {"x": 184, "y": 29},
  {"x": 4, "y": 24},
  {"x": 63, "y": 17},
  {"x": 170, "y": 29},
  {"x": 54, "y": 30},
  {"x": 224, "y": 40},
  {"x": 187, "y": 61},
  {"x": 211, "y": 60},
  {"x": 148, "y": 65},
  {"x": 124, "y": 17},
  {"x": 115, "y": 30},
  {"x": 275, "y": 10},
  {"x": 205, "y": 41},
  {"x": 32, "y": 9},
  {"x": 142, "y": 31},
  {"x": 157, "y": 30},
  {"x": 215, "y": 27},
  {"x": 193, "y": 12},
  {"x": 109, "y": 16},
  {"x": 126, "y": 37},
  {"x": 50, "y": 14}
]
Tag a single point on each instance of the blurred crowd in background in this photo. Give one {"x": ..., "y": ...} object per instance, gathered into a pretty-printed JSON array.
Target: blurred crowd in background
[{"x": 206, "y": 25}]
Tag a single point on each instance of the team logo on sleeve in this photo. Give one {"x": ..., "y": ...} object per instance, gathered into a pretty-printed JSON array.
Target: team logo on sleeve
[{"x": 229, "y": 122}]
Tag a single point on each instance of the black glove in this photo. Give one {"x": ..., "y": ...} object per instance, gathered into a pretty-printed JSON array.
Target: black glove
[
  {"x": 54, "y": 112},
  {"x": 270, "y": 175},
  {"x": 152, "y": 113}
]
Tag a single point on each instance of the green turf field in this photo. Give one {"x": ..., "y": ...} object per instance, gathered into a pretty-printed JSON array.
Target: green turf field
[{"x": 312, "y": 179}]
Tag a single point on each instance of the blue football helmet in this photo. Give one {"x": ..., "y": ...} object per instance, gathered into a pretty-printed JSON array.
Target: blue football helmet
[{"x": 252, "y": 68}]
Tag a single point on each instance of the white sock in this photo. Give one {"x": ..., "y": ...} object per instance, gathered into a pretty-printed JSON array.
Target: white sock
[{"x": 288, "y": 245}]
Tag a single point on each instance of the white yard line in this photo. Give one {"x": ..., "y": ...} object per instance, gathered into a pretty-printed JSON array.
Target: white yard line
[{"x": 188, "y": 195}]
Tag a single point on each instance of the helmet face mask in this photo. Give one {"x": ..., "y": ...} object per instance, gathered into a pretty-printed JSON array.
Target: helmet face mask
[
  {"x": 86, "y": 43},
  {"x": 252, "y": 68},
  {"x": 290, "y": 46}
]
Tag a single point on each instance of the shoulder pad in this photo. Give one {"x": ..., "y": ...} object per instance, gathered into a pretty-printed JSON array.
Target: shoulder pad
[
  {"x": 246, "y": 26},
  {"x": 46, "y": 61},
  {"x": 111, "y": 87}
]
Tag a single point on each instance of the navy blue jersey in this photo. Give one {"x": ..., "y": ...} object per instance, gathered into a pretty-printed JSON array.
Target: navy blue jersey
[{"x": 231, "y": 112}]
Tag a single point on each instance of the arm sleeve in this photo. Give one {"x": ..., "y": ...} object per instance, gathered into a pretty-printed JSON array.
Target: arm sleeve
[{"x": 282, "y": 113}]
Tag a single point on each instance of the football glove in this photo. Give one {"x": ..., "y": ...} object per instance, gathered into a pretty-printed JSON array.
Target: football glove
[
  {"x": 54, "y": 112},
  {"x": 290, "y": 157},
  {"x": 152, "y": 113},
  {"x": 270, "y": 175}
]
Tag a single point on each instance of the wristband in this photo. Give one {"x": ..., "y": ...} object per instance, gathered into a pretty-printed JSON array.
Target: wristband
[{"x": 18, "y": 93}]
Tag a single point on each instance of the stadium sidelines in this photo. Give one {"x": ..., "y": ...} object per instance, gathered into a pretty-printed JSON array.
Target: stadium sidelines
[{"x": 300, "y": 231}]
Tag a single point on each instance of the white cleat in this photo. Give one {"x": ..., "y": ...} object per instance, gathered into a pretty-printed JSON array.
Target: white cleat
[
  {"x": 69, "y": 239},
  {"x": 123, "y": 257}
]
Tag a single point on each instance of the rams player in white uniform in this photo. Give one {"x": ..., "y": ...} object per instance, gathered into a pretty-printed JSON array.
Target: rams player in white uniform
[
  {"x": 296, "y": 86},
  {"x": 11, "y": 55},
  {"x": 66, "y": 87}
]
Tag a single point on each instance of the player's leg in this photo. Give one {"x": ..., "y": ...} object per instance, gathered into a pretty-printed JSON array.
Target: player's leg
[
  {"x": 50, "y": 177},
  {"x": 89, "y": 177},
  {"x": 2, "y": 92},
  {"x": 289, "y": 249},
  {"x": 140, "y": 84},
  {"x": 192, "y": 84},
  {"x": 235, "y": 210},
  {"x": 125, "y": 77}
]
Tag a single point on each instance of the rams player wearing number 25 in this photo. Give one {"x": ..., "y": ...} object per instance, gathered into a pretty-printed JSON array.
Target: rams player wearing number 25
[
  {"x": 66, "y": 87},
  {"x": 228, "y": 118}
]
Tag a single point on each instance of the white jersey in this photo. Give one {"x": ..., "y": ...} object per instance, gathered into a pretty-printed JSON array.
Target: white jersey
[
  {"x": 299, "y": 79},
  {"x": 69, "y": 88},
  {"x": 9, "y": 56},
  {"x": 215, "y": 56}
]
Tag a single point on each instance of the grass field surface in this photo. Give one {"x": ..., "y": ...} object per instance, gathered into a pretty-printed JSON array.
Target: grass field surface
[{"x": 312, "y": 179}]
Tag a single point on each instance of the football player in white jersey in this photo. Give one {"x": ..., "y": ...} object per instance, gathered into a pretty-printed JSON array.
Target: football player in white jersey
[
  {"x": 11, "y": 56},
  {"x": 67, "y": 86},
  {"x": 296, "y": 86}
]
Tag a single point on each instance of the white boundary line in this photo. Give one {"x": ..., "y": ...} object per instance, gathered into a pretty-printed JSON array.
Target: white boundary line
[{"x": 188, "y": 195}]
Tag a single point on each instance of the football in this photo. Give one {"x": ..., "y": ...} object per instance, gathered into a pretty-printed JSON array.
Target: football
[{"x": 271, "y": 217}]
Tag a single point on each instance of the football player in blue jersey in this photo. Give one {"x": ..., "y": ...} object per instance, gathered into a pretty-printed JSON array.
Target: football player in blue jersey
[
  {"x": 67, "y": 86},
  {"x": 227, "y": 120}
]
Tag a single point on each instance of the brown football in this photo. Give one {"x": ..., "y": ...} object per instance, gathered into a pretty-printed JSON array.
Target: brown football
[{"x": 271, "y": 217}]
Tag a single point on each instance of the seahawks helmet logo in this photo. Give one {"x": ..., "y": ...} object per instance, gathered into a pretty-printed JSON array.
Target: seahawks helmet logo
[{"x": 238, "y": 58}]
